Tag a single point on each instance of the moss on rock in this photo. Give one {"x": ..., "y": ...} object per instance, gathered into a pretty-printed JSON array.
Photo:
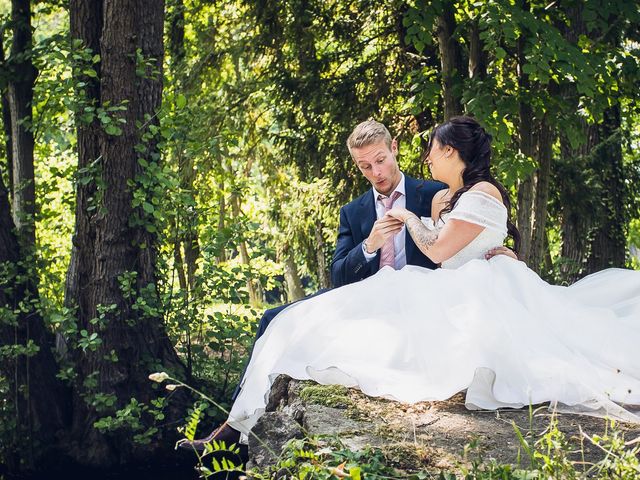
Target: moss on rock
[{"x": 335, "y": 396}]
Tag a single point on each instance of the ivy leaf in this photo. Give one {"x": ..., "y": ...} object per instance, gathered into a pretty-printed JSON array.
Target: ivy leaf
[{"x": 113, "y": 130}]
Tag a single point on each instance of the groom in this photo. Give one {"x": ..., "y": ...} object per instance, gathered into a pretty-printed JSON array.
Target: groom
[{"x": 367, "y": 240}]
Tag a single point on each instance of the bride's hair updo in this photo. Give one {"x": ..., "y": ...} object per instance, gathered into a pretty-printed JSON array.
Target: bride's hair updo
[{"x": 473, "y": 144}]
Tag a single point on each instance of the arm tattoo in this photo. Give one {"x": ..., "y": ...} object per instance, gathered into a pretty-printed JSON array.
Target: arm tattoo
[{"x": 422, "y": 236}]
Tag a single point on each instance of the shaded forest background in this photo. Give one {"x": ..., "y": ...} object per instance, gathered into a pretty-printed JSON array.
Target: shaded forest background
[{"x": 169, "y": 168}]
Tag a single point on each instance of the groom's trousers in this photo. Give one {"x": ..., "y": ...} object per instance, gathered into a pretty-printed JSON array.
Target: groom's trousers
[{"x": 265, "y": 320}]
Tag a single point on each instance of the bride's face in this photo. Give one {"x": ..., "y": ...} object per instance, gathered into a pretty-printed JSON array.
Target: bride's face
[{"x": 439, "y": 161}]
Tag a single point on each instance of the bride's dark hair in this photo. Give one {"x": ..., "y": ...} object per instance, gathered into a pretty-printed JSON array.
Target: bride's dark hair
[{"x": 473, "y": 144}]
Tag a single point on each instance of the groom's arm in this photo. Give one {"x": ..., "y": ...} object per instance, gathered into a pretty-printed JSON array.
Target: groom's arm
[{"x": 349, "y": 264}]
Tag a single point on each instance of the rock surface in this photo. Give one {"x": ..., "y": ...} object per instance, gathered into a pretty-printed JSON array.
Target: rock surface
[{"x": 427, "y": 435}]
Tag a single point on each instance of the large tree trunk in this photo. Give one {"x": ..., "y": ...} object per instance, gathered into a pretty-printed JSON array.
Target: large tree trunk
[
  {"x": 451, "y": 61},
  {"x": 608, "y": 247},
  {"x": 577, "y": 198},
  {"x": 593, "y": 219},
  {"x": 114, "y": 277},
  {"x": 38, "y": 399},
  {"x": 20, "y": 94},
  {"x": 86, "y": 25},
  {"x": 575, "y": 193}
]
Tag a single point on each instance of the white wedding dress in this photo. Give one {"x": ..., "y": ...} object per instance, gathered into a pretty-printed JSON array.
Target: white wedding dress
[{"x": 491, "y": 327}]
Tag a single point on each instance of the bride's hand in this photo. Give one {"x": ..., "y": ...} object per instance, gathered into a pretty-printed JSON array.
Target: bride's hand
[{"x": 401, "y": 214}]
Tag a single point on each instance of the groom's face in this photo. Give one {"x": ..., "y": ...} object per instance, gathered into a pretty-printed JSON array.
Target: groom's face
[{"x": 378, "y": 164}]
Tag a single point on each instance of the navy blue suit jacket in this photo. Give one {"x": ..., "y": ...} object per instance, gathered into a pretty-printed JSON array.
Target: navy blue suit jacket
[{"x": 356, "y": 221}]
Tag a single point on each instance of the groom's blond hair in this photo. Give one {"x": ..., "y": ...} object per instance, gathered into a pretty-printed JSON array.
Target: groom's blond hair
[{"x": 367, "y": 133}]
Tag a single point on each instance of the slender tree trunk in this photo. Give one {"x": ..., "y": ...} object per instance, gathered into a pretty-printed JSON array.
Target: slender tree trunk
[
  {"x": 256, "y": 295},
  {"x": 477, "y": 56},
  {"x": 293, "y": 284},
  {"x": 324, "y": 280},
  {"x": 6, "y": 121},
  {"x": 38, "y": 399},
  {"x": 451, "y": 61},
  {"x": 20, "y": 94},
  {"x": 544, "y": 140},
  {"x": 115, "y": 268},
  {"x": 222, "y": 212},
  {"x": 526, "y": 187},
  {"x": 189, "y": 238}
]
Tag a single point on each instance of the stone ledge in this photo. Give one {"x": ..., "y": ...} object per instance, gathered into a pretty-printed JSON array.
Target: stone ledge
[{"x": 427, "y": 435}]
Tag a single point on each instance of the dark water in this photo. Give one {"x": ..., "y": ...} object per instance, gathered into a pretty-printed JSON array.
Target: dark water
[{"x": 150, "y": 472}]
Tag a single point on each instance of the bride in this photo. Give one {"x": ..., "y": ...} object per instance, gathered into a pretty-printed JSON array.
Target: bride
[{"x": 492, "y": 328}]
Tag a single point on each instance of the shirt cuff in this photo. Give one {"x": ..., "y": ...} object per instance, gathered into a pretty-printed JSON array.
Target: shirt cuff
[{"x": 368, "y": 256}]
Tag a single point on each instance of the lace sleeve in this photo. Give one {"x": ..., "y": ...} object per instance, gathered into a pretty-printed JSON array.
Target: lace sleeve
[{"x": 481, "y": 209}]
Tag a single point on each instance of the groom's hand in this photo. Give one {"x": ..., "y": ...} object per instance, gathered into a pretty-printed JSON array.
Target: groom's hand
[{"x": 382, "y": 229}]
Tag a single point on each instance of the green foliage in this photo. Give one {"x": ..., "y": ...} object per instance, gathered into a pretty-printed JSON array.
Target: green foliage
[
  {"x": 252, "y": 165},
  {"x": 134, "y": 418}
]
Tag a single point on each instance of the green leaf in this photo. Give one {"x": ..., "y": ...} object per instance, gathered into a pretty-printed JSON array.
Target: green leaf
[
  {"x": 181, "y": 101},
  {"x": 113, "y": 130},
  {"x": 355, "y": 473}
]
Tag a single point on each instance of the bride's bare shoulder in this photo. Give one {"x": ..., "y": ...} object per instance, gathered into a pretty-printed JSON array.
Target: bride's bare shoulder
[{"x": 488, "y": 188}]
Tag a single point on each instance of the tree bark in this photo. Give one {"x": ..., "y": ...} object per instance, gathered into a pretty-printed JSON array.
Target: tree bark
[
  {"x": 577, "y": 199},
  {"x": 85, "y": 18},
  {"x": 115, "y": 268},
  {"x": 324, "y": 279},
  {"x": 6, "y": 120},
  {"x": 256, "y": 296},
  {"x": 593, "y": 213},
  {"x": 188, "y": 238},
  {"x": 608, "y": 247},
  {"x": 544, "y": 140},
  {"x": 292, "y": 280},
  {"x": 451, "y": 61},
  {"x": 20, "y": 94},
  {"x": 38, "y": 399},
  {"x": 477, "y": 56},
  {"x": 526, "y": 187}
]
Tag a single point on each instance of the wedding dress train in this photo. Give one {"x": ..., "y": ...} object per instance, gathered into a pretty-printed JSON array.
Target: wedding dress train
[{"x": 491, "y": 327}]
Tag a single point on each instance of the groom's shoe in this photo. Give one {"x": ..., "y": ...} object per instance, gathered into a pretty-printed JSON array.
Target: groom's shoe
[{"x": 224, "y": 433}]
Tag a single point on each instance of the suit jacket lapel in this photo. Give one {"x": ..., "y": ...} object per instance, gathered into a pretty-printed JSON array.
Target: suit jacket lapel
[
  {"x": 367, "y": 214},
  {"x": 412, "y": 202}
]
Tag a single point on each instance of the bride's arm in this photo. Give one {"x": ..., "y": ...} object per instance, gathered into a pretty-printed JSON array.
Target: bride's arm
[
  {"x": 438, "y": 245},
  {"x": 441, "y": 245}
]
